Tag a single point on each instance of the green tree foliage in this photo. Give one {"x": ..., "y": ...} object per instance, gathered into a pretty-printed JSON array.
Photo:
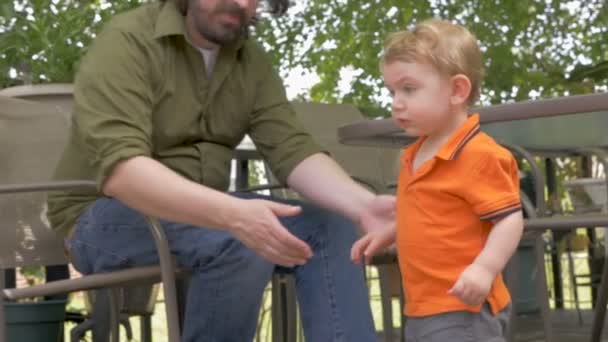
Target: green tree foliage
[
  {"x": 42, "y": 40},
  {"x": 533, "y": 48}
]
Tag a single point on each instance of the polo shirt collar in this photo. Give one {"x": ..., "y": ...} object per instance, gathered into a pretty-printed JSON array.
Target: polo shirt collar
[{"x": 459, "y": 139}]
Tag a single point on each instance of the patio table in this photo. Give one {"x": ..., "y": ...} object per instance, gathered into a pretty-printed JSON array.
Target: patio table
[{"x": 550, "y": 126}]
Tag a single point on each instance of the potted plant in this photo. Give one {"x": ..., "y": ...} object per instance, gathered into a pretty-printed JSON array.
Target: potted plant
[{"x": 35, "y": 319}]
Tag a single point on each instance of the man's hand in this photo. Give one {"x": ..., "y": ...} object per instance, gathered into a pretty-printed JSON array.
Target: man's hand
[
  {"x": 473, "y": 285},
  {"x": 372, "y": 243},
  {"x": 379, "y": 214},
  {"x": 257, "y": 226}
]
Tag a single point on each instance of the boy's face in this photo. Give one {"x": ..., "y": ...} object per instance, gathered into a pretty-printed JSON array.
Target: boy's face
[{"x": 421, "y": 97}]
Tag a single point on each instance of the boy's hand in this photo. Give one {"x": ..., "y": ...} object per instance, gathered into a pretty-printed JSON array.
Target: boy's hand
[
  {"x": 473, "y": 285},
  {"x": 371, "y": 243}
]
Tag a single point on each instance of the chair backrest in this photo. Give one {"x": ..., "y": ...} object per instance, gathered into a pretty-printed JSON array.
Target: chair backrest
[
  {"x": 32, "y": 137},
  {"x": 55, "y": 94},
  {"x": 372, "y": 166}
]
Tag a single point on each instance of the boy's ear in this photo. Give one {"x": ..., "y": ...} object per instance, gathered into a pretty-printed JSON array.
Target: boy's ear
[{"x": 461, "y": 89}]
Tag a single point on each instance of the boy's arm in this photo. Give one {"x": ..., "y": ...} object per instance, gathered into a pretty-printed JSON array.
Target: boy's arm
[
  {"x": 501, "y": 243},
  {"x": 475, "y": 282},
  {"x": 494, "y": 197}
]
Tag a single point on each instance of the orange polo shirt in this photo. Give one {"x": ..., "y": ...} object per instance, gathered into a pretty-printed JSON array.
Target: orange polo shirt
[{"x": 445, "y": 211}]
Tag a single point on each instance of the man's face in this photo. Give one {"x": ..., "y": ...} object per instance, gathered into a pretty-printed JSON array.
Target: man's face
[{"x": 220, "y": 21}]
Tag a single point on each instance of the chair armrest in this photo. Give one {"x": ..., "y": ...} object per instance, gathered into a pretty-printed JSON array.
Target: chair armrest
[
  {"x": 566, "y": 222},
  {"x": 262, "y": 187},
  {"x": 90, "y": 282},
  {"x": 153, "y": 225},
  {"x": 367, "y": 183}
]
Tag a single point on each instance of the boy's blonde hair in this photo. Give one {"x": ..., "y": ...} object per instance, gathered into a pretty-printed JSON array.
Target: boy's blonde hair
[{"x": 450, "y": 48}]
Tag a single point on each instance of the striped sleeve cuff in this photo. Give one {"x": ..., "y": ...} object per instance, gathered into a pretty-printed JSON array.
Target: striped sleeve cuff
[{"x": 500, "y": 213}]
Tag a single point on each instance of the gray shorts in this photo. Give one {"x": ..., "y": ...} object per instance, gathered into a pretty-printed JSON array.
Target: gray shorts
[{"x": 459, "y": 326}]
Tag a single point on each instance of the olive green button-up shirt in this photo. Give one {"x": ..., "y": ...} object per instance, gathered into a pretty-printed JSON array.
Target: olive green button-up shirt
[{"x": 142, "y": 90}]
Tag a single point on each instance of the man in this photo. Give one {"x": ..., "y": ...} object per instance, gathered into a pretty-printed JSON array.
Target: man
[{"x": 162, "y": 98}]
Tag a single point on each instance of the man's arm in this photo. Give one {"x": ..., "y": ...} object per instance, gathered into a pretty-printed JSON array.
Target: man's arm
[
  {"x": 296, "y": 159},
  {"x": 150, "y": 187},
  {"x": 320, "y": 179}
]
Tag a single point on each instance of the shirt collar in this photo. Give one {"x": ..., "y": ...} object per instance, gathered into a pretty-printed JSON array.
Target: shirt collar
[
  {"x": 170, "y": 22},
  {"x": 460, "y": 138},
  {"x": 410, "y": 151},
  {"x": 452, "y": 147}
]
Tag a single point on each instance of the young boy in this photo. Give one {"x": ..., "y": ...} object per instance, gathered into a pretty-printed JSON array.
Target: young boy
[{"x": 458, "y": 209}]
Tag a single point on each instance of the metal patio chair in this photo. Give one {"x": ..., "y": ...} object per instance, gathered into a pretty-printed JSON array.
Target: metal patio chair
[{"x": 32, "y": 136}]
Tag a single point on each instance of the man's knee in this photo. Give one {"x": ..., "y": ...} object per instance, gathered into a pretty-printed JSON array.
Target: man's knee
[
  {"x": 220, "y": 251},
  {"x": 321, "y": 224}
]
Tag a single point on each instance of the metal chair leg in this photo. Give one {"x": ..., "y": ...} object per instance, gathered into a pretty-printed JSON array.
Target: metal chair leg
[
  {"x": 146, "y": 328},
  {"x": 387, "y": 308},
  {"x": 403, "y": 318},
  {"x": 2, "y": 313},
  {"x": 511, "y": 278},
  {"x": 182, "y": 284},
  {"x": 572, "y": 276},
  {"x": 77, "y": 333},
  {"x": 284, "y": 311},
  {"x": 541, "y": 285},
  {"x": 115, "y": 315},
  {"x": 600, "y": 306},
  {"x": 278, "y": 333},
  {"x": 100, "y": 315},
  {"x": 290, "y": 309}
]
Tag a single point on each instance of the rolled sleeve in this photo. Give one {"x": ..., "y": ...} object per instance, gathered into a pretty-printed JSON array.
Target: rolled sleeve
[
  {"x": 276, "y": 131},
  {"x": 112, "y": 112},
  {"x": 495, "y": 193}
]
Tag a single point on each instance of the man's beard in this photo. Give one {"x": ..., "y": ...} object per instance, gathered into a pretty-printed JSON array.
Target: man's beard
[{"x": 221, "y": 34}]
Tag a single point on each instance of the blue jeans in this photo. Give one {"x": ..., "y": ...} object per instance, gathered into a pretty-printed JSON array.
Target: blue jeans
[{"x": 228, "y": 279}]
